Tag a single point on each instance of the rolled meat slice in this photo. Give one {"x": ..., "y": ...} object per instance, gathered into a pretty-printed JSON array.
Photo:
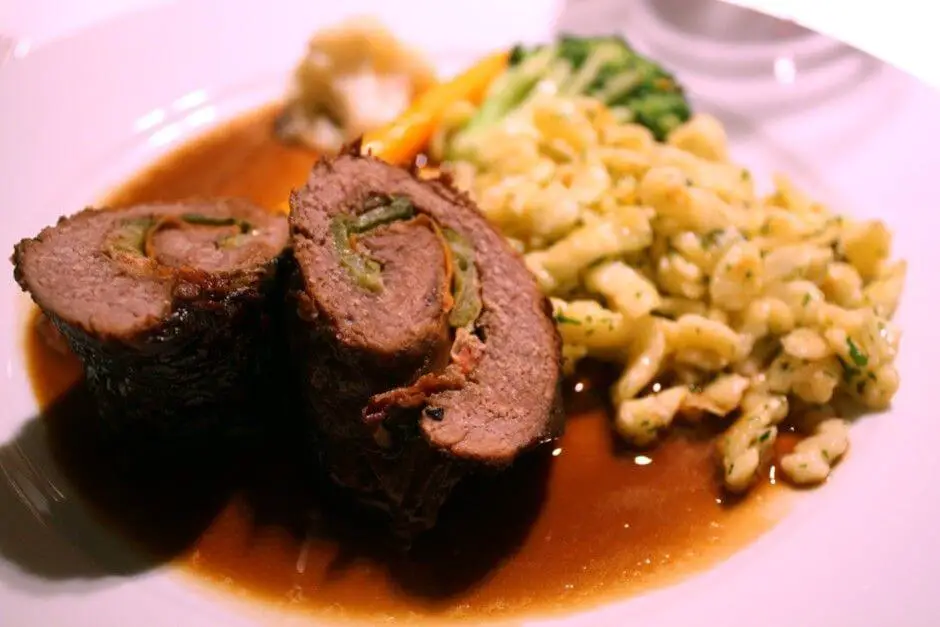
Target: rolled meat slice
[
  {"x": 166, "y": 305},
  {"x": 425, "y": 348}
]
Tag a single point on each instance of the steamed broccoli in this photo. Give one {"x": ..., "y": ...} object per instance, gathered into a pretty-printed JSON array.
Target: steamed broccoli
[{"x": 607, "y": 68}]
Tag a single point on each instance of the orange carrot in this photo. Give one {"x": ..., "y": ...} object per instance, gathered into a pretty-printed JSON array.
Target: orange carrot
[{"x": 400, "y": 141}]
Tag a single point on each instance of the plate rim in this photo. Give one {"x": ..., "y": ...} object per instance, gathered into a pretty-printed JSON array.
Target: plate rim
[{"x": 644, "y": 604}]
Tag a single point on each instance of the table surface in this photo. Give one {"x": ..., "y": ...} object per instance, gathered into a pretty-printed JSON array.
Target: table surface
[{"x": 898, "y": 32}]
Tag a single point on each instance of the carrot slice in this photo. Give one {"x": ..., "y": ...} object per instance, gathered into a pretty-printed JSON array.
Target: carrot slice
[{"x": 400, "y": 141}]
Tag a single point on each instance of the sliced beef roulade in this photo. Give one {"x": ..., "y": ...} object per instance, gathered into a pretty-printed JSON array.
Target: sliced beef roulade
[
  {"x": 167, "y": 306},
  {"x": 424, "y": 346}
]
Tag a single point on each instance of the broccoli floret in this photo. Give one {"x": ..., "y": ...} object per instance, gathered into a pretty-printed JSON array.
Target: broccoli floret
[{"x": 635, "y": 88}]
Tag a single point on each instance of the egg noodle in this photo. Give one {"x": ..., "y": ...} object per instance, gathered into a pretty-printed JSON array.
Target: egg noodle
[{"x": 716, "y": 300}]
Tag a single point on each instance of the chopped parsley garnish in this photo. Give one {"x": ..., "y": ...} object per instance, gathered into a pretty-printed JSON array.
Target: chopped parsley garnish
[
  {"x": 561, "y": 318},
  {"x": 764, "y": 436},
  {"x": 858, "y": 357},
  {"x": 806, "y": 299}
]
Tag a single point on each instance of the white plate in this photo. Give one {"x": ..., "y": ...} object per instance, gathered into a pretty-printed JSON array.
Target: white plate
[{"x": 83, "y": 114}]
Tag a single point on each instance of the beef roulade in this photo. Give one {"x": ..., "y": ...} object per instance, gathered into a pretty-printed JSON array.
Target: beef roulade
[
  {"x": 424, "y": 346},
  {"x": 167, "y": 307}
]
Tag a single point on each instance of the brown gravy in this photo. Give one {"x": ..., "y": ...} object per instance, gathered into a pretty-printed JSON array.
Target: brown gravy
[{"x": 586, "y": 522}]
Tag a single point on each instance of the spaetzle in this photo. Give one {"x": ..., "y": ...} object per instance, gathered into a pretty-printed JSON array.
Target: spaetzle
[{"x": 663, "y": 257}]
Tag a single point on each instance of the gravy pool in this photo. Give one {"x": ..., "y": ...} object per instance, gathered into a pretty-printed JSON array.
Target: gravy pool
[{"x": 581, "y": 523}]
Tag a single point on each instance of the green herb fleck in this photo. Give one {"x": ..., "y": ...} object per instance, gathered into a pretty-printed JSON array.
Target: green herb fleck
[
  {"x": 764, "y": 436},
  {"x": 561, "y": 318},
  {"x": 858, "y": 357},
  {"x": 806, "y": 299}
]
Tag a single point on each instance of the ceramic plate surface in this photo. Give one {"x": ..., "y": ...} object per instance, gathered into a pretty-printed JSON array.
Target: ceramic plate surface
[{"x": 80, "y": 115}]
